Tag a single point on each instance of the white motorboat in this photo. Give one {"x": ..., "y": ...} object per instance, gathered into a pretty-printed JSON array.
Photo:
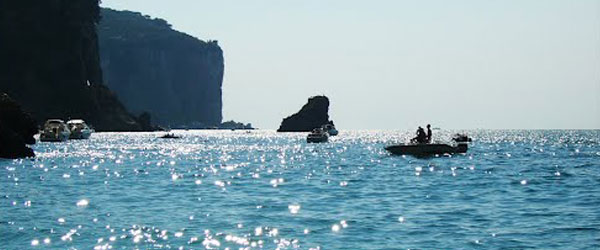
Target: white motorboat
[
  {"x": 79, "y": 129},
  {"x": 55, "y": 130},
  {"x": 330, "y": 129},
  {"x": 317, "y": 135}
]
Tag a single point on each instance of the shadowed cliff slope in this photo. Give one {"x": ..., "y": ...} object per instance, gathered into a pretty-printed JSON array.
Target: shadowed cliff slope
[
  {"x": 49, "y": 62},
  {"x": 153, "y": 68},
  {"x": 16, "y": 129},
  {"x": 313, "y": 114}
]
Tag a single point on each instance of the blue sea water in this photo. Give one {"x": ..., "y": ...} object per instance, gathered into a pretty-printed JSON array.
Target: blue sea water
[{"x": 514, "y": 189}]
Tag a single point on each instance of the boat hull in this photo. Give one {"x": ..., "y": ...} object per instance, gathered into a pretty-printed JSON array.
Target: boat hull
[
  {"x": 84, "y": 134},
  {"x": 317, "y": 139},
  {"x": 168, "y": 136},
  {"x": 333, "y": 132},
  {"x": 426, "y": 149},
  {"x": 51, "y": 137}
]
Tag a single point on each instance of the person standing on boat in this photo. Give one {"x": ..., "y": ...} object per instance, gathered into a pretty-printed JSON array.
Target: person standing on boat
[{"x": 428, "y": 133}]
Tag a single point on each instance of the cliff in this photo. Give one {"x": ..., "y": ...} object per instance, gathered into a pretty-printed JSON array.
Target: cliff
[
  {"x": 313, "y": 114},
  {"x": 16, "y": 129},
  {"x": 49, "y": 63},
  {"x": 153, "y": 68}
]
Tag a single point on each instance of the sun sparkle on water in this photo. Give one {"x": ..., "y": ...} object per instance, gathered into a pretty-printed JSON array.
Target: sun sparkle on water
[{"x": 230, "y": 189}]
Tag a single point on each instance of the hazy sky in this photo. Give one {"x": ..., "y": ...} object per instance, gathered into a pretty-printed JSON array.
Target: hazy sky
[{"x": 398, "y": 64}]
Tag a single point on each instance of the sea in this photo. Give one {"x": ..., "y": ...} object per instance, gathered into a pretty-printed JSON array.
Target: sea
[{"x": 222, "y": 189}]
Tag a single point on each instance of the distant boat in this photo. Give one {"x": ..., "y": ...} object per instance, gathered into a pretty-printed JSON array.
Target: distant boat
[
  {"x": 55, "y": 130},
  {"x": 170, "y": 136},
  {"x": 423, "y": 149},
  {"x": 330, "y": 129},
  {"x": 317, "y": 135},
  {"x": 462, "y": 138},
  {"x": 79, "y": 129}
]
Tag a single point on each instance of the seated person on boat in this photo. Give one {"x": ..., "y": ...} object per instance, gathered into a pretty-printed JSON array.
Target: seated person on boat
[{"x": 421, "y": 136}]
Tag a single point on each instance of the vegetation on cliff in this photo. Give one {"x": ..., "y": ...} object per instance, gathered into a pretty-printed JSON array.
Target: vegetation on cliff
[{"x": 152, "y": 68}]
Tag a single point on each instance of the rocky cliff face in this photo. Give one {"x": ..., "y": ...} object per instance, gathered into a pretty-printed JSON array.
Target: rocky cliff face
[
  {"x": 49, "y": 62},
  {"x": 16, "y": 129},
  {"x": 313, "y": 114},
  {"x": 153, "y": 68}
]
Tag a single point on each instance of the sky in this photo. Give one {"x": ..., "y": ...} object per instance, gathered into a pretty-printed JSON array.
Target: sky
[{"x": 393, "y": 64}]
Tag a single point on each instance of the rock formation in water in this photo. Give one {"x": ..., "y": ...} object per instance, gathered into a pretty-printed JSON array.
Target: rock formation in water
[
  {"x": 235, "y": 125},
  {"x": 153, "y": 68},
  {"x": 313, "y": 114},
  {"x": 16, "y": 129},
  {"x": 49, "y": 63}
]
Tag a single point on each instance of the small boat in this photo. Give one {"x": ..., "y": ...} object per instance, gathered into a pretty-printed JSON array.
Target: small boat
[
  {"x": 317, "y": 135},
  {"x": 170, "y": 136},
  {"x": 423, "y": 149},
  {"x": 79, "y": 129},
  {"x": 461, "y": 138},
  {"x": 55, "y": 130},
  {"x": 330, "y": 129}
]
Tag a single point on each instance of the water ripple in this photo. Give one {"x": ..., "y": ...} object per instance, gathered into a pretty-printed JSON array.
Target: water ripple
[{"x": 232, "y": 189}]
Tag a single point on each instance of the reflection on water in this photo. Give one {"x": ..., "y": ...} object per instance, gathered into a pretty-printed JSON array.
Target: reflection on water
[{"x": 231, "y": 189}]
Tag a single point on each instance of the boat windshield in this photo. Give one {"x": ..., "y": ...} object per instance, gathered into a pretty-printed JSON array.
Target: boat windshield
[
  {"x": 54, "y": 122},
  {"x": 75, "y": 122}
]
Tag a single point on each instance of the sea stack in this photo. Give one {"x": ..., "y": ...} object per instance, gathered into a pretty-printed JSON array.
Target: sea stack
[
  {"x": 313, "y": 114},
  {"x": 16, "y": 129}
]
